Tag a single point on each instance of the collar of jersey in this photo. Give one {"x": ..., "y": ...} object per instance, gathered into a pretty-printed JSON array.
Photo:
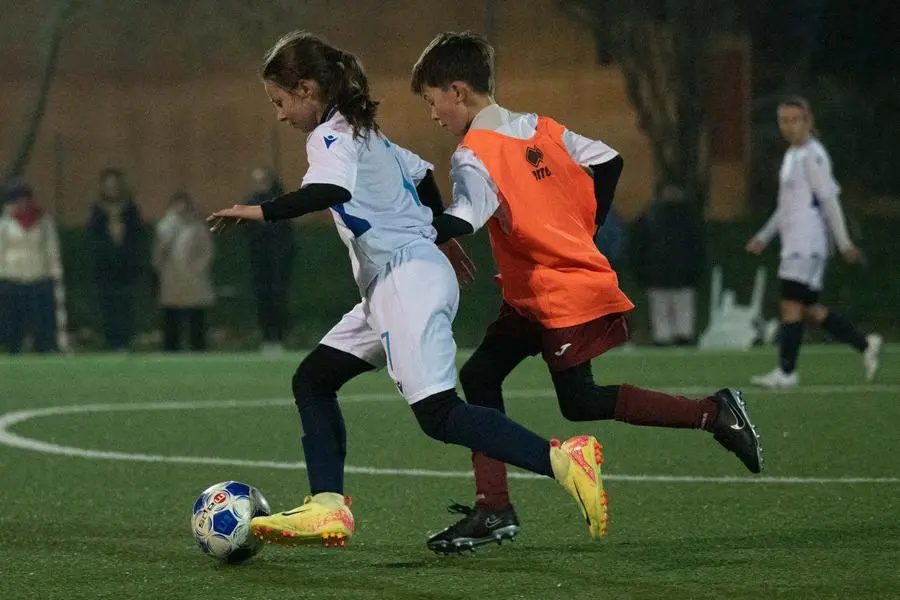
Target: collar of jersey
[
  {"x": 330, "y": 111},
  {"x": 491, "y": 117}
]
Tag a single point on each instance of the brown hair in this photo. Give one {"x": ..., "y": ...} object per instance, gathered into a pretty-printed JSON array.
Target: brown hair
[
  {"x": 453, "y": 56},
  {"x": 299, "y": 55}
]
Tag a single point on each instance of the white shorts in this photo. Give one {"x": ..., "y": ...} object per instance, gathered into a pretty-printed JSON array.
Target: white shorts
[
  {"x": 405, "y": 322},
  {"x": 808, "y": 270}
]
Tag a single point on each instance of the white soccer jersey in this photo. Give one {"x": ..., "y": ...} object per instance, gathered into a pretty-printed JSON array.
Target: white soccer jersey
[
  {"x": 475, "y": 193},
  {"x": 384, "y": 212},
  {"x": 808, "y": 208}
]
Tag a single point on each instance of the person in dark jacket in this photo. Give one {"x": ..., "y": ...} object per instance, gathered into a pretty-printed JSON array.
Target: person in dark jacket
[
  {"x": 669, "y": 260},
  {"x": 272, "y": 253},
  {"x": 113, "y": 236}
]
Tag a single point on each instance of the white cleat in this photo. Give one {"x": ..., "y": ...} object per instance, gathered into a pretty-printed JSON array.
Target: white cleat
[
  {"x": 872, "y": 355},
  {"x": 776, "y": 379}
]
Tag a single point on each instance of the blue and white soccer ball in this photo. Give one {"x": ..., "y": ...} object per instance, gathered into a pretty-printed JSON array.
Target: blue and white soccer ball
[{"x": 221, "y": 520}]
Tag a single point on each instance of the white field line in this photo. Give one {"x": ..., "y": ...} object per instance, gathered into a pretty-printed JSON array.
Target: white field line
[{"x": 8, "y": 438}]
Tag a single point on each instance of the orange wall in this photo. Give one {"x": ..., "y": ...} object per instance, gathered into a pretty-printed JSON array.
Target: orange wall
[{"x": 173, "y": 109}]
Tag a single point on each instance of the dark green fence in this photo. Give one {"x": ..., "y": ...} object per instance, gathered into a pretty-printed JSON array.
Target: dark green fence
[{"x": 323, "y": 288}]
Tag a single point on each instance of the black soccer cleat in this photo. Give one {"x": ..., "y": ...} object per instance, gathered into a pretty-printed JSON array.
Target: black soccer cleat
[
  {"x": 479, "y": 526},
  {"x": 733, "y": 429}
]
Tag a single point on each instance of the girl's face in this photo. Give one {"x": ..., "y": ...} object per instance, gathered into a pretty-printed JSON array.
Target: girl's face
[
  {"x": 795, "y": 124},
  {"x": 111, "y": 186},
  {"x": 300, "y": 108},
  {"x": 262, "y": 181},
  {"x": 180, "y": 208},
  {"x": 448, "y": 107}
]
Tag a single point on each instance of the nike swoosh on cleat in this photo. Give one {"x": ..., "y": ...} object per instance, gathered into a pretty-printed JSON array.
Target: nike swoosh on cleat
[
  {"x": 492, "y": 522},
  {"x": 739, "y": 422},
  {"x": 290, "y": 513}
]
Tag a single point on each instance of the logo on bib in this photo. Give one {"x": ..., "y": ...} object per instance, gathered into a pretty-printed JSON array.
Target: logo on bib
[{"x": 535, "y": 156}]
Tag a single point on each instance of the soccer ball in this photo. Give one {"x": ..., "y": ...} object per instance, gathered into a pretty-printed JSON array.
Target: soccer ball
[{"x": 221, "y": 520}]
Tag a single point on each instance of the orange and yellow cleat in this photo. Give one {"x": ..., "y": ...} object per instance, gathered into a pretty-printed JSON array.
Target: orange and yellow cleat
[
  {"x": 576, "y": 466},
  {"x": 322, "y": 519}
]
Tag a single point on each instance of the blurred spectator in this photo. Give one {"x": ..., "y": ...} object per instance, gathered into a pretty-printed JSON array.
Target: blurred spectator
[
  {"x": 29, "y": 266},
  {"x": 669, "y": 261},
  {"x": 271, "y": 263},
  {"x": 612, "y": 240},
  {"x": 113, "y": 236},
  {"x": 182, "y": 257}
]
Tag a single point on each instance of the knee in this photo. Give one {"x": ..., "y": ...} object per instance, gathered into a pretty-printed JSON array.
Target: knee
[
  {"x": 478, "y": 375},
  {"x": 583, "y": 400},
  {"x": 308, "y": 383},
  {"x": 431, "y": 413},
  {"x": 817, "y": 313},
  {"x": 570, "y": 407}
]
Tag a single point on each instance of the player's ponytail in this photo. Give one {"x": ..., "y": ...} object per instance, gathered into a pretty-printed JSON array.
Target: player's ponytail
[
  {"x": 351, "y": 94},
  {"x": 299, "y": 55}
]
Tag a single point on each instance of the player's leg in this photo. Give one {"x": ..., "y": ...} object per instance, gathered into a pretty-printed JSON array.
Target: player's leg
[
  {"x": 508, "y": 341},
  {"x": 723, "y": 414},
  {"x": 349, "y": 349},
  {"x": 796, "y": 274},
  {"x": 843, "y": 330},
  {"x": 413, "y": 305},
  {"x": 493, "y": 517},
  {"x": 794, "y": 298}
]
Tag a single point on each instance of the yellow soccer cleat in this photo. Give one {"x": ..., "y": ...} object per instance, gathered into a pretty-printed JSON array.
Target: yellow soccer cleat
[
  {"x": 322, "y": 519},
  {"x": 576, "y": 466}
]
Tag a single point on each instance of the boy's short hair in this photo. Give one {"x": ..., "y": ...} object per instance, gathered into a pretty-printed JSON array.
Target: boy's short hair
[{"x": 453, "y": 56}]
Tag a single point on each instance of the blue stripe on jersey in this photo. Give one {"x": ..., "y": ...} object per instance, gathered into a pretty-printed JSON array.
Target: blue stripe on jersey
[
  {"x": 356, "y": 225},
  {"x": 407, "y": 184}
]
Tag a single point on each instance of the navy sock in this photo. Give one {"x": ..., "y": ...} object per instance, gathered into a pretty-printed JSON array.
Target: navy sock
[
  {"x": 791, "y": 338},
  {"x": 843, "y": 330},
  {"x": 324, "y": 443},
  {"x": 493, "y": 433}
]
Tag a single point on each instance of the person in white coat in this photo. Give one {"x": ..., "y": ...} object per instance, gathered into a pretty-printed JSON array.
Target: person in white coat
[
  {"x": 182, "y": 258},
  {"x": 29, "y": 266}
]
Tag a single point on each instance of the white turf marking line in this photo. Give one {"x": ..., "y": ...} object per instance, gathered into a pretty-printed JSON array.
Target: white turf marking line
[
  {"x": 294, "y": 355},
  {"x": 8, "y": 438}
]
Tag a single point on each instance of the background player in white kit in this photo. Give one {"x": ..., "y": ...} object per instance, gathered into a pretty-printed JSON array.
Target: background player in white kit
[
  {"x": 409, "y": 296},
  {"x": 808, "y": 217}
]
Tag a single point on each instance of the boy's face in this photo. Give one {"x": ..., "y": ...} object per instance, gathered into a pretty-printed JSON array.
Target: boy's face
[{"x": 448, "y": 107}]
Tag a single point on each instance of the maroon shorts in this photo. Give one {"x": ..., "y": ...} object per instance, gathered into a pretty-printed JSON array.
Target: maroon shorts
[{"x": 564, "y": 347}]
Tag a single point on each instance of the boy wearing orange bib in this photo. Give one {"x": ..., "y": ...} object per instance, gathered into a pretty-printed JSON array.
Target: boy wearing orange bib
[{"x": 542, "y": 190}]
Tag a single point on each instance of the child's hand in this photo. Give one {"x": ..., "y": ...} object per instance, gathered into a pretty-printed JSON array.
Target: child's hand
[
  {"x": 462, "y": 264},
  {"x": 237, "y": 214},
  {"x": 755, "y": 246}
]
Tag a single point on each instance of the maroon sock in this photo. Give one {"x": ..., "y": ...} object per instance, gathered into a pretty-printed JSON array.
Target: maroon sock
[
  {"x": 638, "y": 406},
  {"x": 491, "y": 485}
]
